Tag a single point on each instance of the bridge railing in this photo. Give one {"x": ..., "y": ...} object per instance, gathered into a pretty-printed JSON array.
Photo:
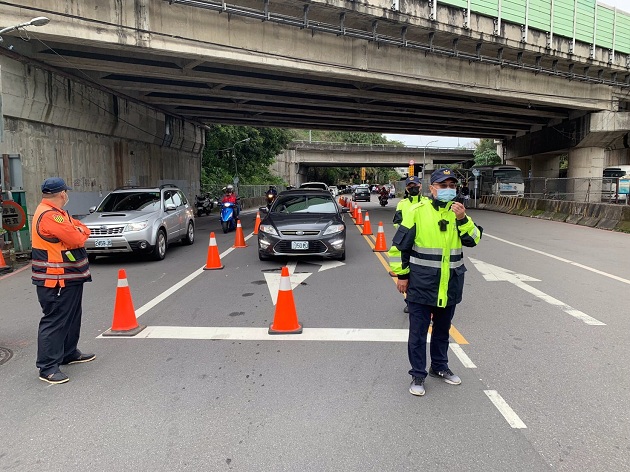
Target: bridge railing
[{"x": 378, "y": 147}]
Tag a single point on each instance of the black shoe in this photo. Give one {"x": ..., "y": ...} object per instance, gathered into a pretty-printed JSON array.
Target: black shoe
[
  {"x": 446, "y": 375},
  {"x": 406, "y": 309},
  {"x": 54, "y": 378},
  {"x": 417, "y": 386},
  {"x": 81, "y": 359}
]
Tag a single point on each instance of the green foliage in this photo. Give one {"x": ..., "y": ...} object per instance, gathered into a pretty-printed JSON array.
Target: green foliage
[
  {"x": 486, "y": 154},
  {"x": 225, "y": 155}
]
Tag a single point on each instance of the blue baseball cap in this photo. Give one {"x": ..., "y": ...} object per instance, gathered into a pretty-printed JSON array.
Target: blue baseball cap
[
  {"x": 54, "y": 185},
  {"x": 413, "y": 179},
  {"x": 441, "y": 175}
]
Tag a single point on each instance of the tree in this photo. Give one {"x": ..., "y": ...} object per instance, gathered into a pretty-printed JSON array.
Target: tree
[
  {"x": 486, "y": 153},
  {"x": 226, "y": 155}
]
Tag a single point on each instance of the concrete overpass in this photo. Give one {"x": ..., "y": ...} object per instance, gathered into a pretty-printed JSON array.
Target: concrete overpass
[{"x": 415, "y": 67}]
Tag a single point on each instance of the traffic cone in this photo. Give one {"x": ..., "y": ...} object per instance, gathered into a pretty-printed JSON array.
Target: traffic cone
[
  {"x": 360, "y": 217},
  {"x": 257, "y": 223},
  {"x": 214, "y": 260},
  {"x": 355, "y": 211},
  {"x": 124, "y": 322},
  {"x": 3, "y": 263},
  {"x": 381, "y": 245},
  {"x": 367, "y": 227},
  {"x": 239, "y": 239},
  {"x": 285, "y": 320}
]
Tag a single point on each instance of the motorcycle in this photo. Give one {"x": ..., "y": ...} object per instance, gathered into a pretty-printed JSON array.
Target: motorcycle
[
  {"x": 228, "y": 216},
  {"x": 382, "y": 199},
  {"x": 203, "y": 204},
  {"x": 270, "y": 197}
]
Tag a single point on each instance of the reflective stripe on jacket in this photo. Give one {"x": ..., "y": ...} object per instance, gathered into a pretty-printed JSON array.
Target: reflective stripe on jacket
[
  {"x": 395, "y": 261},
  {"x": 59, "y": 258},
  {"x": 433, "y": 259}
]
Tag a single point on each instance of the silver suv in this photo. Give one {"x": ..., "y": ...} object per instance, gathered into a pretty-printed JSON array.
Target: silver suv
[{"x": 139, "y": 219}]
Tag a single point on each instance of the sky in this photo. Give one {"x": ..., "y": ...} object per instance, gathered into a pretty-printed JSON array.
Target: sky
[{"x": 421, "y": 141}]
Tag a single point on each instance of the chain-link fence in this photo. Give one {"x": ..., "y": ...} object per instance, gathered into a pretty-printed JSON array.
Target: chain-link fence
[{"x": 577, "y": 189}]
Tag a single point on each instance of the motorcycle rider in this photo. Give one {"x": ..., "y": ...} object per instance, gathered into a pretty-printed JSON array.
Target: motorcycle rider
[
  {"x": 383, "y": 193},
  {"x": 272, "y": 193},
  {"x": 230, "y": 197}
]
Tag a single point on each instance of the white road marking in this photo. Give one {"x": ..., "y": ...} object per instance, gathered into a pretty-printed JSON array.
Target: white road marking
[
  {"x": 273, "y": 282},
  {"x": 562, "y": 259},
  {"x": 511, "y": 417},
  {"x": 461, "y": 355},
  {"x": 167, "y": 293},
  {"x": 261, "y": 334},
  {"x": 494, "y": 273},
  {"x": 325, "y": 265}
]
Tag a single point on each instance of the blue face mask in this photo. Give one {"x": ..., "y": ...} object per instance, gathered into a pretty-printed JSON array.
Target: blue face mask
[{"x": 446, "y": 194}]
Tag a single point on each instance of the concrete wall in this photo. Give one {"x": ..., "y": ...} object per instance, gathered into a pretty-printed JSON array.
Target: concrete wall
[{"x": 95, "y": 140}]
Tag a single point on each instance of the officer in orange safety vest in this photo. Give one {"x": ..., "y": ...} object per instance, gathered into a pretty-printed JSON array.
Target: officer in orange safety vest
[{"x": 60, "y": 267}]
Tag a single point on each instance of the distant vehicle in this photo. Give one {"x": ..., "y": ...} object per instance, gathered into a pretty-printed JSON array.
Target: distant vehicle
[
  {"x": 497, "y": 180},
  {"x": 333, "y": 190},
  {"x": 303, "y": 222},
  {"x": 315, "y": 185},
  {"x": 143, "y": 220},
  {"x": 615, "y": 184},
  {"x": 361, "y": 194}
]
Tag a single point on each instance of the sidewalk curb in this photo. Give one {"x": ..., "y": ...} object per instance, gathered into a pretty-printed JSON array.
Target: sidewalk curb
[{"x": 27, "y": 266}]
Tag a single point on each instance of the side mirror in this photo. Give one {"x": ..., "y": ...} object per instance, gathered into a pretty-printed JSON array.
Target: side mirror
[
  {"x": 171, "y": 207},
  {"x": 263, "y": 209},
  {"x": 92, "y": 209}
]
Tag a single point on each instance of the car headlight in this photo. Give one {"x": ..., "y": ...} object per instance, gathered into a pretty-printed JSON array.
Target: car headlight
[
  {"x": 332, "y": 229},
  {"x": 269, "y": 229},
  {"x": 136, "y": 226}
]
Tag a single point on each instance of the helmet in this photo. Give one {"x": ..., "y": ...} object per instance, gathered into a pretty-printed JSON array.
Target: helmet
[{"x": 229, "y": 188}]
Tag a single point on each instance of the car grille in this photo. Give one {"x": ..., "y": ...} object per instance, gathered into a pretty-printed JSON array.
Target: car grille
[
  {"x": 302, "y": 233},
  {"x": 314, "y": 247},
  {"x": 96, "y": 232}
]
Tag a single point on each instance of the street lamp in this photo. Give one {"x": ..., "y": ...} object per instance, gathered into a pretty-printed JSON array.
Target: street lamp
[
  {"x": 424, "y": 163},
  {"x": 39, "y": 21}
]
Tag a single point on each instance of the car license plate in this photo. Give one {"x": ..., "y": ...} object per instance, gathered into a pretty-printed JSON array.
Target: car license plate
[
  {"x": 299, "y": 245},
  {"x": 103, "y": 243}
]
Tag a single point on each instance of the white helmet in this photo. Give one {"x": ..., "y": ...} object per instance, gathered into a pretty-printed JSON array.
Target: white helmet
[{"x": 230, "y": 188}]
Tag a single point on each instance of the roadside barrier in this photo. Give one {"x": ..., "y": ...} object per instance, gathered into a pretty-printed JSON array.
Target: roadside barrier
[
  {"x": 367, "y": 227},
  {"x": 381, "y": 244},
  {"x": 257, "y": 223},
  {"x": 213, "y": 260},
  {"x": 124, "y": 322},
  {"x": 239, "y": 238},
  {"x": 285, "y": 319},
  {"x": 359, "y": 217}
]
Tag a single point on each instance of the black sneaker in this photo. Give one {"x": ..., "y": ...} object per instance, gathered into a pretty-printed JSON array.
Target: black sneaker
[
  {"x": 417, "y": 386},
  {"x": 446, "y": 375},
  {"x": 54, "y": 378},
  {"x": 82, "y": 358}
]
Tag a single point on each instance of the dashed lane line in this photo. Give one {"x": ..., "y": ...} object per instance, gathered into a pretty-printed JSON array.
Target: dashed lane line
[{"x": 510, "y": 416}]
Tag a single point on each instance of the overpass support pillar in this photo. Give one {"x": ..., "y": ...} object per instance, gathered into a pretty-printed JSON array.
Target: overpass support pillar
[
  {"x": 585, "y": 171},
  {"x": 545, "y": 166}
]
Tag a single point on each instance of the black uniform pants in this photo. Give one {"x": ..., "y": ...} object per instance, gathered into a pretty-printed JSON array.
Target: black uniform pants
[
  {"x": 60, "y": 326},
  {"x": 419, "y": 320}
]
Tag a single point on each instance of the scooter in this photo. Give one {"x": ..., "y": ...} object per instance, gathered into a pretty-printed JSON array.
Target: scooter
[
  {"x": 382, "y": 199},
  {"x": 228, "y": 216},
  {"x": 270, "y": 197},
  {"x": 203, "y": 204}
]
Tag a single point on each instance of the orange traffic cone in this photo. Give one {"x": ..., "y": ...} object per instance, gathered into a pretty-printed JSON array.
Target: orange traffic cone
[
  {"x": 239, "y": 239},
  {"x": 367, "y": 227},
  {"x": 381, "y": 245},
  {"x": 124, "y": 322},
  {"x": 360, "y": 217},
  {"x": 285, "y": 320},
  {"x": 214, "y": 260},
  {"x": 355, "y": 211},
  {"x": 3, "y": 263},
  {"x": 257, "y": 223}
]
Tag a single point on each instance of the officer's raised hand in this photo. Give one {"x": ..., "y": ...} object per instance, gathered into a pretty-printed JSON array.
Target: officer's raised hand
[{"x": 459, "y": 210}]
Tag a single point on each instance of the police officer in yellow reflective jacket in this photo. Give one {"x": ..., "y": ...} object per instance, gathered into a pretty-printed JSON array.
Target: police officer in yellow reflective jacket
[
  {"x": 430, "y": 239},
  {"x": 412, "y": 196}
]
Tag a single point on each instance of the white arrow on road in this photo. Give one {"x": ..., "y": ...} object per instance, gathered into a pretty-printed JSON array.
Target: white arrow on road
[
  {"x": 273, "y": 281},
  {"x": 494, "y": 273}
]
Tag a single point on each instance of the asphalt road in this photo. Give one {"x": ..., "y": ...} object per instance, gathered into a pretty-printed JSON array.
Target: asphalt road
[{"x": 540, "y": 343}]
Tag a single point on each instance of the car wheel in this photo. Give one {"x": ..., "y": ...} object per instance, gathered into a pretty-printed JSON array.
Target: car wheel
[
  {"x": 190, "y": 234},
  {"x": 159, "y": 251},
  {"x": 342, "y": 257},
  {"x": 91, "y": 258}
]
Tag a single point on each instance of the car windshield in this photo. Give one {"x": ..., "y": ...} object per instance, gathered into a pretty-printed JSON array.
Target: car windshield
[
  {"x": 130, "y": 201},
  {"x": 305, "y": 204}
]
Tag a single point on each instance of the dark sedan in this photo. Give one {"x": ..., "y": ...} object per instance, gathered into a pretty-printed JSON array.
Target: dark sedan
[
  {"x": 361, "y": 194},
  {"x": 303, "y": 222}
]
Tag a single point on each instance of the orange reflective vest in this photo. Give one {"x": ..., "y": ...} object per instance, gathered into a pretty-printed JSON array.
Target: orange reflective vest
[{"x": 59, "y": 258}]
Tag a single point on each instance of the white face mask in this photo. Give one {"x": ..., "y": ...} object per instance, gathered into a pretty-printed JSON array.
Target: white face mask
[{"x": 67, "y": 199}]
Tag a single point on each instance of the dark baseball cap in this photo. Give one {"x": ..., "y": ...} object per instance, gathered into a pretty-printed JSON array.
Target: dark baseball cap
[
  {"x": 54, "y": 185},
  {"x": 413, "y": 179},
  {"x": 441, "y": 175}
]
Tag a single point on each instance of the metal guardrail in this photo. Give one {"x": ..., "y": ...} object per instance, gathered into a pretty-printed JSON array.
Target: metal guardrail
[
  {"x": 593, "y": 190},
  {"x": 378, "y": 147}
]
